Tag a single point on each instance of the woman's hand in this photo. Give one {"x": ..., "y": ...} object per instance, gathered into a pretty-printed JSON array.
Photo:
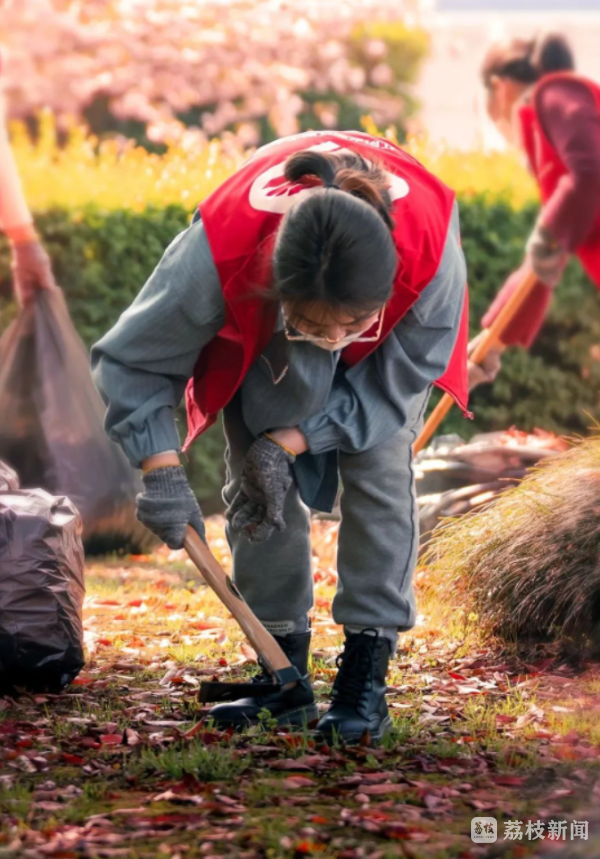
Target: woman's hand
[
  {"x": 257, "y": 509},
  {"x": 545, "y": 256},
  {"x": 31, "y": 267},
  {"x": 167, "y": 505},
  {"x": 490, "y": 366}
]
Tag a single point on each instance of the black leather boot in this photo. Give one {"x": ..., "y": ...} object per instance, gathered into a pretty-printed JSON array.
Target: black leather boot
[
  {"x": 292, "y": 707},
  {"x": 358, "y": 695}
]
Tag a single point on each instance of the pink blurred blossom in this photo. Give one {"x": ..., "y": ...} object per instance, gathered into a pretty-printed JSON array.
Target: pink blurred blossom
[{"x": 157, "y": 59}]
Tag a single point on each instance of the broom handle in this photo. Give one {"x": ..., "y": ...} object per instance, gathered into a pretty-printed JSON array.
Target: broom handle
[
  {"x": 215, "y": 576},
  {"x": 492, "y": 337}
]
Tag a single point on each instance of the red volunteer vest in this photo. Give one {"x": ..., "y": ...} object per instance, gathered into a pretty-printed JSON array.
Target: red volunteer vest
[
  {"x": 549, "y": 169},
  {"x": 241, "y": 219}
]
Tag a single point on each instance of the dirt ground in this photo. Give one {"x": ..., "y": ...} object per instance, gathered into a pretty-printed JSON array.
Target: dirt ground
[{"x": 124, "y": 762}]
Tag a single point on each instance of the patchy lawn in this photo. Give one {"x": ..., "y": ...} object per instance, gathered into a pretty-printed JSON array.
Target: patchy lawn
[{"x": 123, "y": 763}]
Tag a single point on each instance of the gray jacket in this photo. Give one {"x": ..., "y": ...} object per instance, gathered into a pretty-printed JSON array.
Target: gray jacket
[{"x": 142, "y": 365}]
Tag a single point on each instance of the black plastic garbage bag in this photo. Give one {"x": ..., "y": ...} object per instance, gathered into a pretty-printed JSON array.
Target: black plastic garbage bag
[
  {"x": 41, "y": 591},
  {"x": 51, "y": 429}
]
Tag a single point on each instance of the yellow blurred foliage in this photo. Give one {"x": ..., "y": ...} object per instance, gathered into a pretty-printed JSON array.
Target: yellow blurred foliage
[
  {"x": 495, "y": 173},
  {"x": 115, "y": 173},
  {"x": 118, "y": 174}
]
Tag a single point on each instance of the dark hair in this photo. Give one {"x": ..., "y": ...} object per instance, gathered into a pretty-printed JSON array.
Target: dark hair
[
  {"x": 528, "y": 60},
  {"x": 335, "y": 246}
]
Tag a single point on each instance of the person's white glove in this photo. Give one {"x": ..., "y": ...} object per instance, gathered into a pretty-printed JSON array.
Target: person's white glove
[
  {"x": 487, "y": 371},
  {"x": 545, "y": 256}
]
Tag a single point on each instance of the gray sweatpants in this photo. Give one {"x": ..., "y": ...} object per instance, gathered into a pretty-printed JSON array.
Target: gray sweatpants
[{"x": 377, "y": 547}]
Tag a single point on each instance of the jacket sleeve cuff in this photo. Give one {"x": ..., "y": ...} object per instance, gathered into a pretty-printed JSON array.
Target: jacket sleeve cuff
[
  {"x": 320, "y": 432},
  {"x": 156, "y": 435},
  {"x": 525, "y": 326}
]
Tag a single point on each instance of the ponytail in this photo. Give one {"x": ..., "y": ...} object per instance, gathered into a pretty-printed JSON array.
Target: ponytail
[
  {"x": 528, "y": 60},
  {"x": 347, "y": 172},
  {"x": 552, "y": 53}
]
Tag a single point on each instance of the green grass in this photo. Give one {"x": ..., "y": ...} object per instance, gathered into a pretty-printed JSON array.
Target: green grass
[
  {"x": 206, "y": 763},
  {"x": 16, "y": 800},
  {"x": 481, "y": 712},
  {"x": 586, "y": 723}
]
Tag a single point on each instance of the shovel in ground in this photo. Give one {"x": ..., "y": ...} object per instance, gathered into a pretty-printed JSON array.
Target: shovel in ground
[
  {"x": 284, "y": 674},
  {"x": 494, "y": 334}
]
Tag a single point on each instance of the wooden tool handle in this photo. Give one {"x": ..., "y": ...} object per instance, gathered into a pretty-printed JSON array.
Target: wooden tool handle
[
  {"x": 433, "y": 422},
  {"x": 505, "y": 316},
  {"x": 216, "y": 577},
  {"x": 491, "y": 339}
]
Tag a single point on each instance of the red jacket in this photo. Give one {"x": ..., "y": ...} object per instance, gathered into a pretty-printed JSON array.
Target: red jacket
[
  {"x": 549, "y": 169},
  {"x": 567, "y": 217},
  {"x": 241, "y": 219}
]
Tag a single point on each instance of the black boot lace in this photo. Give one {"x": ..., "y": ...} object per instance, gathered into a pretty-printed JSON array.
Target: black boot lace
[{"x": 355, "y": 668}]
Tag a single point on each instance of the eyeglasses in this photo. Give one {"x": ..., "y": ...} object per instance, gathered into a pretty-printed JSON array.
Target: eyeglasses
[{"x": 313, "y": 338}]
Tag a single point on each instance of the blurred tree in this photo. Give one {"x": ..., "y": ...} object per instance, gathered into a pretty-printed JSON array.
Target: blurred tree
[{"x": 146, "y": 69}]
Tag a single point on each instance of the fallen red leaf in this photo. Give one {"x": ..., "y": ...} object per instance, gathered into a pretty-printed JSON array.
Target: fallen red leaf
[
  {"x": 209, "y": 738},
  {"x": 566, "y": 752},
  {"x": 248, "y": 652},
  {"x": 132, "y": 738},
  {"x": 111, "y": 739},
  {"x": 88, "y": 743},
  {"x": 288, "y": 764},
  {"x": 295, "y": 781},
  {"x": 378, "y": 789},
  {"x": 308, "y": 847},
  {"x": 376, "y": 778},
  {"x": 509, "y": 780},
  {"x": 203, "y": 624},
  {"x": 73, "y": 760},
  {"x": 396, "y": 830}
]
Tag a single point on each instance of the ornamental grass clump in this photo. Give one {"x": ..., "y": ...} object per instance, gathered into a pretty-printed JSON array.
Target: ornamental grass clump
[{"x": 528, "y": 563}]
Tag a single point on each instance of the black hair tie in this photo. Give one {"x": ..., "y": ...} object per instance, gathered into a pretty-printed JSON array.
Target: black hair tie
[{"x": 331, "y": 185}]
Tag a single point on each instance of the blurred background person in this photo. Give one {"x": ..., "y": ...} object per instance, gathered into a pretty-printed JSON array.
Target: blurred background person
[
  {"x": 538, "y": 103},
  {"x": 30, "y": 263}
]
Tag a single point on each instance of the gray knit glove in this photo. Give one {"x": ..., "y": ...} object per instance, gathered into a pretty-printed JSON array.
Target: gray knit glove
[
  {"x": 168, "y": 505},
  {"x": 257, "y": 509}
]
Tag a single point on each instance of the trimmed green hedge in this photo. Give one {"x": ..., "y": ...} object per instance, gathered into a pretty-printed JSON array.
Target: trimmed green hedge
[{"x": 102, "y": 259}]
